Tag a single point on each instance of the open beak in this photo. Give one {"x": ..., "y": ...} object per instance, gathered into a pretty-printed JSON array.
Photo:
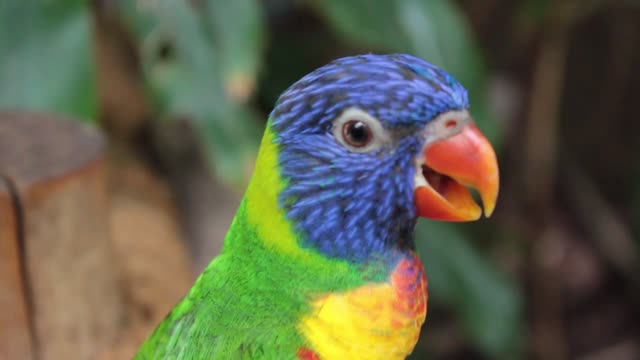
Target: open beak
[{"x": 466, "y": 159}]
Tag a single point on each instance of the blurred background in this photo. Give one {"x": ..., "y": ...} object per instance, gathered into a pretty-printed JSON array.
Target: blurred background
[{"x": 182, "y": 89}]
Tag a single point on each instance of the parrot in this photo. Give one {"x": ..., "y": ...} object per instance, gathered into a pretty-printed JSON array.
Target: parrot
[{"x": 320, "y": 260}]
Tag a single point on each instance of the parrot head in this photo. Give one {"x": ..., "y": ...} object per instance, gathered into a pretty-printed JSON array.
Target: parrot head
[{"x": 367, "y": 144}]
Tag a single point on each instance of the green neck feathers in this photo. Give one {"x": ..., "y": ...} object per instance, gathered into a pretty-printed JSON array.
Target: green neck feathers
[
  {"x": 267, "y": 239},
  {"x": 263, "y": 280}
]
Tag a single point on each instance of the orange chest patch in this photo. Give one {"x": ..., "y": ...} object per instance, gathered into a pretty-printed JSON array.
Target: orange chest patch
[
  {"x": 409, "y": 282},
  {"x": 375, "y": 321}
]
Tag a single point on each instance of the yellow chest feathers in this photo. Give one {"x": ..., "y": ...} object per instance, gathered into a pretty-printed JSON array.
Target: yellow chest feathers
[{"x": 376, "y": 321}]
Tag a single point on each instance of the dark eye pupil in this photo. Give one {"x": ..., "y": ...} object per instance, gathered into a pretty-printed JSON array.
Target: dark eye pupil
[{"x": 357, "y": 133}]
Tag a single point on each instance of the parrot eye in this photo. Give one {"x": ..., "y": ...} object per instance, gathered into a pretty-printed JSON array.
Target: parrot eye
[{"x": 356, "y": 133}]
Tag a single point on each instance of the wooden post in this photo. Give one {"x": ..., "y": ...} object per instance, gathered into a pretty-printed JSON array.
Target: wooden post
[
  {"x": 57, "y": 169},
  {"x": 15, "y": 329}
]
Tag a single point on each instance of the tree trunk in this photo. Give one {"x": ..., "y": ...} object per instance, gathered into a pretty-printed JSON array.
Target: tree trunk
[
  {"x": 15, "y": 328},
  {"x": 68, "y": 285}
]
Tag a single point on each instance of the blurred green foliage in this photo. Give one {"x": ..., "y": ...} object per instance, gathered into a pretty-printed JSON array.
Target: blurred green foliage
[
  {"x": 489, "y": 305},
  {"x": 201, "y": 61},
  {"x": 432, "y": 29},
  {"x": 45, "y": 58},
  {"x": 200, "y": 64}
]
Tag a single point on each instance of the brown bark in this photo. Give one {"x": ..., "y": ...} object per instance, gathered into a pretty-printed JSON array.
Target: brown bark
[
  {"x": 59, "y": 173},
  {"x": 150, "y": 250},
  {"x": 15, "y": 329}
]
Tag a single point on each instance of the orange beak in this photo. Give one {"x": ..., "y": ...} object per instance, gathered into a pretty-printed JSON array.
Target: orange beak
[{"x": 466, "y": 159}]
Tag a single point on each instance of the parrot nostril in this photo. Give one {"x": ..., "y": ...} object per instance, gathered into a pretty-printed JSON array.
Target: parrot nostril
[{"x": 450, "y": 124}]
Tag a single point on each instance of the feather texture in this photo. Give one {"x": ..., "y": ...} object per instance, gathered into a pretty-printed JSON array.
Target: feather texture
[{"x": 319, "y": 261}]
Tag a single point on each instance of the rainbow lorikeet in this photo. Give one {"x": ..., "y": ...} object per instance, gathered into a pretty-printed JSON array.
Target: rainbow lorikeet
[{"x": 319, "y": 262}]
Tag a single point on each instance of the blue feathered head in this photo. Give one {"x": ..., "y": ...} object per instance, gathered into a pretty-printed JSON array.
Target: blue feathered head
[{"x": 368, "y": 143}]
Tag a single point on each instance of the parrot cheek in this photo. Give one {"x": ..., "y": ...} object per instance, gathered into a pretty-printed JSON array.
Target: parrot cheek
[{"x": 447, "y": 168}]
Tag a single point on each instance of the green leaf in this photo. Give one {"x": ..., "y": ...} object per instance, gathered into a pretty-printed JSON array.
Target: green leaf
[
  {"x": 185, "y": 71},
  {"x": 46, "y": 62},
  {"x": 535, "y": 10},
  {"x": 366, "y": 23},
  {"x": 432, "y": 29},
  {"x": 238, "y": 29},
  {"x": 488, "y": 304}
]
